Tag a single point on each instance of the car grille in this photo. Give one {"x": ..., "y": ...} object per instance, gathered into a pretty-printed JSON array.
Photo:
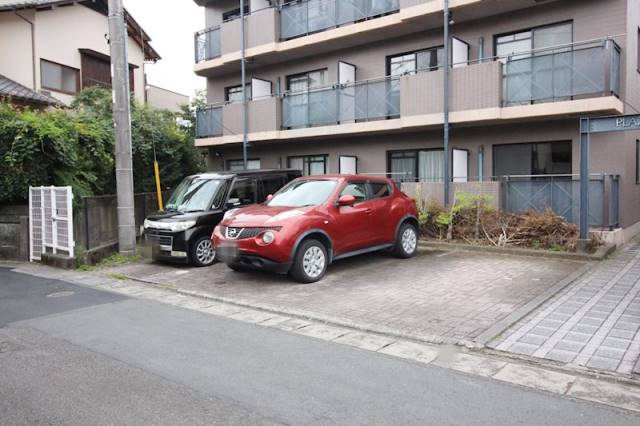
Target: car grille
[
  {"x": 235, "y": 233},
  {"x": 156, "y": 238}
]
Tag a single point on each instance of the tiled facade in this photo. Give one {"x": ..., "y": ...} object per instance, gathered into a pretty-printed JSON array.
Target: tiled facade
[{"x": 513, "y": 113}]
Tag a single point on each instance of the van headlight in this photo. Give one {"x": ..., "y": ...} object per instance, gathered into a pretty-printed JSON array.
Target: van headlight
[{"x": 169, "y": 226}]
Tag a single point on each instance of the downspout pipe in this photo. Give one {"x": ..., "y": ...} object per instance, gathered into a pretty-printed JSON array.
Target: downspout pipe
[
  {"x": 33, "y": 47},
  {"x": 244, "y": 86},
  {"x": 446, "y": 102}
]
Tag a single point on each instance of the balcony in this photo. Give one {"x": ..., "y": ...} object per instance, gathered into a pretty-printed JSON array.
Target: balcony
[
  {"x": 299, "y": 29},
  {"x": 569, "y": 81}
]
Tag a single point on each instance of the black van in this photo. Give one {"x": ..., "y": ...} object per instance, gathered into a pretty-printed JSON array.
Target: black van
[{"x": 182, "y": 232}]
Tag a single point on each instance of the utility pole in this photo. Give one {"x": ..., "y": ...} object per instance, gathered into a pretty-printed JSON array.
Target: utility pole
[
  {"x": 446, "y": 103},
  {"x": 244, "y": 87},
  {"x": 122, "y": 122}
]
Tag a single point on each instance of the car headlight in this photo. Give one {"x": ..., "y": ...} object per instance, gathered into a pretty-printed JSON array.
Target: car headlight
[
  {"x": 268, "y": 237},
  {"x": 170, "y": 226}
]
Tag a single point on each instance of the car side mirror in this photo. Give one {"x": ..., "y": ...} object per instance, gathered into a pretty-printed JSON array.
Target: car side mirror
[
  {"x": 269, "y": 197},
  {"x": 346, "y": 200},
  {"x": 232, "y": 203}
]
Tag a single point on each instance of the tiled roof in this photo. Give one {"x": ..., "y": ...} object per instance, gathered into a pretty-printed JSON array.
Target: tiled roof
[
  {"x": 15, "y": 90},
  {"x": 18, "y": 4}
]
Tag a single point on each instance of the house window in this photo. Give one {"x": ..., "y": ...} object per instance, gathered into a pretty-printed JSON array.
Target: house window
[
  {"x": 416, "y": 165},
  {"x": 307, "y": 80},
  {"x": 237, "y": 165},
  {"x": 546, "y": 158},
  {"x": 421, "y": 60},
  {"x": 96, "y": 70},
  {"x": 234, "y": 93},
  {"x": 310, "y": 165},
  {"x": 60, "y": 78}
]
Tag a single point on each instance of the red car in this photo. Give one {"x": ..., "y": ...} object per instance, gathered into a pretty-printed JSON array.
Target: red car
[{"x": 315, "y": 220}]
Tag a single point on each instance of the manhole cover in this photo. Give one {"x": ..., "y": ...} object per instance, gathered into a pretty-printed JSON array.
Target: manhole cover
[{"x": 60, "y": 294}]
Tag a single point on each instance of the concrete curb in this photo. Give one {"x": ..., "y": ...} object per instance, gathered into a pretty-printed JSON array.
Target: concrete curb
[
  {"x": 502, "y": 325},
  {"x": 600, "y": 254}
]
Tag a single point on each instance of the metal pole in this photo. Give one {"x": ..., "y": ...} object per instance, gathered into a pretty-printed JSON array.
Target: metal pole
[
  {"x": 446, "y": 103},
  {"x": 122, "y": 122},
  {"x": 584, "y": 182},
  {"x": 244, "y": 84}
]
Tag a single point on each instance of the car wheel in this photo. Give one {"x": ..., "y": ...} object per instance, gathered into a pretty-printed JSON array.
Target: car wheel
[
  {"x": 202, "y": 252},
  {"x": 310, "y": 263},
  {"x": 406, "y": 242}
]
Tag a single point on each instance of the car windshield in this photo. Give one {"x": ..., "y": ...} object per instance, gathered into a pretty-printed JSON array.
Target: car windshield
[
  {"x": 303, "y": 193},
  {"x": 195, "y": 194}
]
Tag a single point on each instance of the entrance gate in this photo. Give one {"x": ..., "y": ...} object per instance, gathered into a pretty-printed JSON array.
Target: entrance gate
[{"x": 50, "y": 221}]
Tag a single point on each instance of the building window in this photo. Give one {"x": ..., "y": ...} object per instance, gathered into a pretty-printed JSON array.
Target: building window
[
  {"x": 235, "y": 13},
  {"x": 638, "y": 51},
  {"x": 637, "y": 160},
  {"x": 416, "y": 165},
  {"x": 310, "y": 165},
  {"x": 308, "y": 80},
  {"x": 60, "y": 78},
  {"x": 234, "y": 94},
  {"x": 421, "y": 60},
  {"x": 523, "y": 42},
  {"x": 96, "y": 70},
  {"x": 237, "y": 165},
  {"x": 546, "y": 158}
]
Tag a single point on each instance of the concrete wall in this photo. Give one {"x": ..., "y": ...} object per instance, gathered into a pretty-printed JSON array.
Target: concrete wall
[
  {"x": 59, "y": 33},
  {"x": 14, "y": 232},
  {"x": 262, "y": 27},
  {"x": 165, "y": 99}
]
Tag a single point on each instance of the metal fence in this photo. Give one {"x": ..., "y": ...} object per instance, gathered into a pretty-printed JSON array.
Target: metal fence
[
  {"x": 558, "y": 75},
  {"x": 209, "y": 121},
  {"x": 298, "y": 18},
  {"x": 561, "y": 193},
  {"x": 366, "y": 100},
  {"x": 207, "y": 44}
]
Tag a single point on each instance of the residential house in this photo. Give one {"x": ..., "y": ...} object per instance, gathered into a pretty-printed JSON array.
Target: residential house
[
  {"x": 357, "y": 86},
  {"x": 56, "y": 48},
  {"x": 165, "y": 99}
]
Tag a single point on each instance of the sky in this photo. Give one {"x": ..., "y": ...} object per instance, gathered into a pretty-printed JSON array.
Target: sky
[{"x": 170, "y": 24}]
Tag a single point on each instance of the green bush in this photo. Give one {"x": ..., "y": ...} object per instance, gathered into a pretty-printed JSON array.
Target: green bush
[{"x": 75, "y": 147}]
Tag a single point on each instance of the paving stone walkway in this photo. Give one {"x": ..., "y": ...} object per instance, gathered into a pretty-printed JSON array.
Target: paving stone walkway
[
  {"x": 594, "y": 322},
  {"x": 455, "y": 296}
]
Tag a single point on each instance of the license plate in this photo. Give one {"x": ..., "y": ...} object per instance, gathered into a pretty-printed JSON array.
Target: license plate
[{"x": 229, "y": 251}]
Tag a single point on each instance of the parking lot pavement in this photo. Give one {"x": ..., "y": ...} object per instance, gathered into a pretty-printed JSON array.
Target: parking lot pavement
[
  {"x": 594, "y": 322},
  {"x": 453, "y": 296}
]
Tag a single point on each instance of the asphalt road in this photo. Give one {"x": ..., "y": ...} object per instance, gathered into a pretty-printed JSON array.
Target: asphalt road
[{"x": 72, "y": 355}]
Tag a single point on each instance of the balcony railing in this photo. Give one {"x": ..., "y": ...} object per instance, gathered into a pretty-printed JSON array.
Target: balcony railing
[
  {"x": 564, "y": 73},
  {"x": 207, "y": 44},
  {"x": 362, "y": 101},
  {"x": 209, "y": 121},
  {"x": 299, "y": 18}
]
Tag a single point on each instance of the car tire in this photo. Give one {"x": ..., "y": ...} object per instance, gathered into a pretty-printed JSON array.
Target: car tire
[
  {"x": 406, "y": 241},
  {"x": 200, "y": 254},
  {"x": 310, "y": 262}
]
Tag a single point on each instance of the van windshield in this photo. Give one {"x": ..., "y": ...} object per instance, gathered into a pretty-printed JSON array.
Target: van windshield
[
  {"x": 303, "y": 193},
  {"x": 196, "y": 194}
]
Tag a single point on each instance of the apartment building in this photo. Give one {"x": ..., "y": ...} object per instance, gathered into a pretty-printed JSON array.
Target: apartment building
[
  {"x": 52, "y": 49},
  {"x": 341, "y": 86}
]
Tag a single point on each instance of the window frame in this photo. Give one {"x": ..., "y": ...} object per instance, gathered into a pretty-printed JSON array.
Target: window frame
[
  {"x": 234, "y": 160},
  {"x": 238, "y": 86},
  {"x": 415, "y": 151},
  {"x": 252, "y": 180},
  {"x": 415, "y": 58},
  {"x": 305, "y": 162},
  {"x": 531, "y": 144},
  {"x": 532, "y": 29},
  {"x": 305, "y": 74},
  {"x": 380, "y": 182},
  {"x": 364, "y": 182},
  {"x": 637, "y": 161},
  {"x": 77, "y": 74}
]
